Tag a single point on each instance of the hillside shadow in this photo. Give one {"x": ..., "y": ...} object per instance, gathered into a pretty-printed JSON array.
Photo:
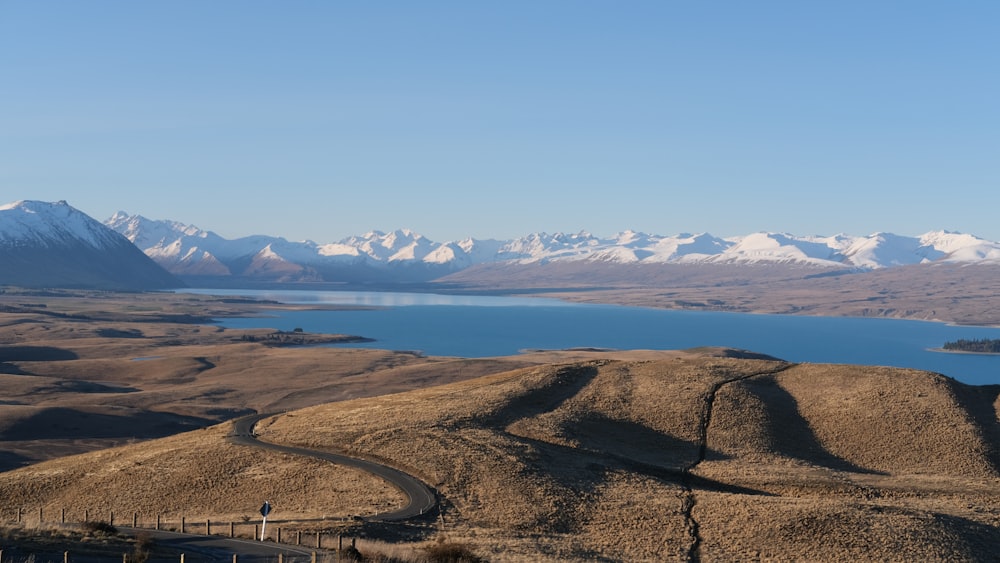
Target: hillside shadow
[
  {"x": 791, "y": 434},
  {"x": 11, "y": 369},
  {"x": 979, "y": 401},
  {"x": 586, "y": 472},
  {"x": 976, "y": 541},
  {"x": 78, "y": 386},
  {"x": 647, "y": 451},
  {"x": 35, "y": 354},
  {"x": 71, "y": 424},
  {"x": 630, "y": 440},
  {"x": 11, "y": 460},
  {"x": 566, "y": 384},
  {"x": 602, "y": 448}
]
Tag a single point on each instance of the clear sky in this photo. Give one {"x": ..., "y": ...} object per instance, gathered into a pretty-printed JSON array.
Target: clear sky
[{"x": 324, "y": 119}]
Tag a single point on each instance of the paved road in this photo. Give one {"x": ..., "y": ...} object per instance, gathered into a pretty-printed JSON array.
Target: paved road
[
  {"x": 421, "y": 497},
  {"x": 220, "y": 548}
]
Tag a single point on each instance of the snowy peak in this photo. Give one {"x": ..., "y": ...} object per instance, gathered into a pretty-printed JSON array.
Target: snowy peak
[
  {"x": 779, "y": 247},
  {"x": 404, "y": 255},
  {"x": 55, "y": 245},
  {"x": 183, "y": 248},
  {"x": 38, "y": 222}
]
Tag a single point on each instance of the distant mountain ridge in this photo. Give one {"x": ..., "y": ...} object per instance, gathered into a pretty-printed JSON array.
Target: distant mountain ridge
[
  {"x": 403, "y": 255},
  {"x": 54, "y": 245}
]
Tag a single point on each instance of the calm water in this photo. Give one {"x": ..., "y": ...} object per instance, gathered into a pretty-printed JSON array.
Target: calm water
[{"x": 474, "y": 326}]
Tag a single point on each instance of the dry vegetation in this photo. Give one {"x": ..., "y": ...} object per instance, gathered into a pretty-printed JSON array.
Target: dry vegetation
[
  {"x": 689, "y": 458},
  {"x": 957, "y": 293},
  {"x": 620, "y": 460},
  {"x": 638, "y": 456},
  {"x": 91, "y": 370}
]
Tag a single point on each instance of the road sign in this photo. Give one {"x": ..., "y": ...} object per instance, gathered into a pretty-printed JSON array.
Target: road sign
[{"x": 264, "y": 511}]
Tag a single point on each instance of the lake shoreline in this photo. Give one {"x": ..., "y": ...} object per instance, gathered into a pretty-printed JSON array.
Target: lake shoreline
[{"x": 489, "y": 326}]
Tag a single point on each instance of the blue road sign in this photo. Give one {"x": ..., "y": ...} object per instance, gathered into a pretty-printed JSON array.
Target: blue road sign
[{"x": 266, "y": 509}]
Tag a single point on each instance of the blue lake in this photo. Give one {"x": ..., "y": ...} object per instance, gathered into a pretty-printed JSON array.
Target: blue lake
[{"x": 483, "y": 326}]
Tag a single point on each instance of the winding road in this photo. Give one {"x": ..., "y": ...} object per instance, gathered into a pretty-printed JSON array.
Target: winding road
[
  {"x": 422, "y": 498},
  {"x": 217, "y": 548}
]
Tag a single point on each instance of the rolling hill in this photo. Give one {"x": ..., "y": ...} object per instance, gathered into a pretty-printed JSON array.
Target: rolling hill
[{"x": 691, "y": 457}]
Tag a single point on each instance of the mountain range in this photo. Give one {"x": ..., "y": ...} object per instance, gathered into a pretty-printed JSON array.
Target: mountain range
[
  {"x": 55, "y": 245},
  {"x": 403, "y": 255},
  {"x": 31, "y": 230}
]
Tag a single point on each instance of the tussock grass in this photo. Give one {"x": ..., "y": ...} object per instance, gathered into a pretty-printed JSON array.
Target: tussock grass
[{"x": 551, "y": 456}]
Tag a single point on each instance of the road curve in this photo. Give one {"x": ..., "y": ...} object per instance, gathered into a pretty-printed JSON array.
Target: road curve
[
  {"x": 422, "y": 498},
  {"x": 220, "y": 548}
]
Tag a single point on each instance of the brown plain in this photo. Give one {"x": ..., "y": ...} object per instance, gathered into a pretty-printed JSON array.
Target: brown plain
[{"x": 573, "y": 455}]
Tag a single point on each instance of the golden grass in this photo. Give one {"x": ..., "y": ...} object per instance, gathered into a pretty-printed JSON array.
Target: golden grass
[
  {"x": 625, "y": 461},
  {"x": 587, "y": 460},
  {"x": 550, "y": 456},
  {"x": 69, "y": 387}
]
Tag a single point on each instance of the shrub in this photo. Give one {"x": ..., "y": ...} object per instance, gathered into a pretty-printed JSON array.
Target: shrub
[
  {"x": 142, "y": 548},
  {"x": 451, "y": 552},
  {"x": 103, "y": 528}
]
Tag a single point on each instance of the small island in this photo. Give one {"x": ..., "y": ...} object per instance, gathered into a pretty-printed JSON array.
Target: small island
[
  {"x": 298, "y": 337},
  {"x": 976, "y": 345}
]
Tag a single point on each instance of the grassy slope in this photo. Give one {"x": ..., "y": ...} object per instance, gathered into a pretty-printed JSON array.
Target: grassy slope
[
  {"x": 650, "y": 456},
  {"x": 812, "y": 462},
  {"x": 611, "y": 459}
]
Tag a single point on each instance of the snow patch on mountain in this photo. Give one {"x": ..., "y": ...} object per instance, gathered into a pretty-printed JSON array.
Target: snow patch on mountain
[
  {"x": 55, "y": 245},
  {"x": 189, "y": 250},
  {"x": 180, "y": 247},
  {"x": 27, "y": 221}
]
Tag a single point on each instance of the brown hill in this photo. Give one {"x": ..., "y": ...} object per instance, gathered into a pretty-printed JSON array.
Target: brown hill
[
  {"x": 84, "y": 370},
  {"x": 959, "y": 293},
  {"x": 686, "y": 458}
]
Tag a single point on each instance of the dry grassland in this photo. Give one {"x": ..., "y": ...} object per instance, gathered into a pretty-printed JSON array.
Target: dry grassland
[
  {"x": 689, "y": 458},
  {"x": 711, "y": 459},
  {"x": 553, "y": 456},
  {"x": 92, "y": 370},
  {"x": 197, "y": 475},
  {"x": 957, "y": 293}
]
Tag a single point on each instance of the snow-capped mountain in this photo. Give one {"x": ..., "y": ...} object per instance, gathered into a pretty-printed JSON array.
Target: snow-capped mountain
[
  {"x": 54, "y": 245},
  {"x": 30, "y": 229},
  {"x": 403, "y": 255}
]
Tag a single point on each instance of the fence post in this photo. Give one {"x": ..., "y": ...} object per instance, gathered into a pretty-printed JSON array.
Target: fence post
[
  {"x": 319, "y": 536},
  {"x": 298, "y": 537},
  {"x": 234, "y": 558},
  {"x": 208, "y": 527},
  {"x": 62, "y": 516},
  {"x": 111, "y": 518},
  {"x": 232, "y": 529},
  {"x": 135, "y": 519},
  {"x": 256, "y": 531},
  {"x": 39, "y": 515},
  {"x": 183, "y": 522},
  {"x": 157, "y": 521},
  {"x": 65, "y": 557},
  {"x": 19, "y": 515},
  {"x": 278, "y": 539},
  {"x": 86, "y": 515}
]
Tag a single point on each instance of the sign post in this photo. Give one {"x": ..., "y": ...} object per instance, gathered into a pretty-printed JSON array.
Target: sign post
[{"x": 264, "y": 511}]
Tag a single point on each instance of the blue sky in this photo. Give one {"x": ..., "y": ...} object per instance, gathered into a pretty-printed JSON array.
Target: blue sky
[{"x": 324, "y": 119}]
